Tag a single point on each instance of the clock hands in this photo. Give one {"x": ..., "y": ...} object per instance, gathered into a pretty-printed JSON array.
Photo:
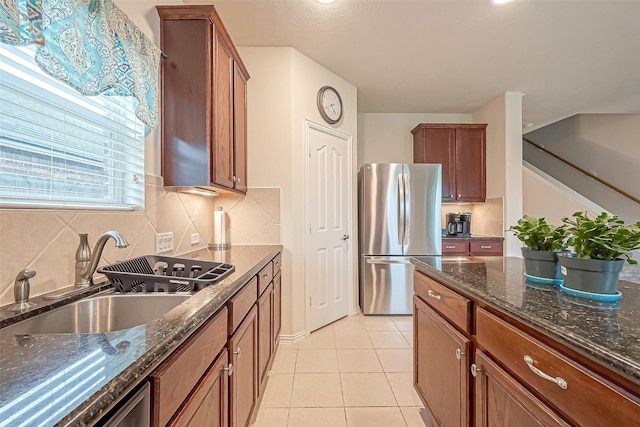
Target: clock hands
[{"x": 332, "y": 107}]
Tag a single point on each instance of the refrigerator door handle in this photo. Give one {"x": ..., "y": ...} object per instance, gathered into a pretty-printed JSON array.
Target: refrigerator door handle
[
  {"x": 401, "y": 209},
  {"x": 407, "y": 209},
  {"x": 386, "y": 261}
]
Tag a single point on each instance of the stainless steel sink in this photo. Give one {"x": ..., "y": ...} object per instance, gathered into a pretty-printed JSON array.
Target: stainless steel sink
[{"x": 98, "y": 315}]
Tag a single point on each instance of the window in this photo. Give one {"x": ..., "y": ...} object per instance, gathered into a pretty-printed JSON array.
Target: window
[{"x": 59, "y": 148}]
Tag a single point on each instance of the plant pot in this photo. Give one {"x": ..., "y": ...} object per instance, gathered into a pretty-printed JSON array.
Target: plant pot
[
  {"x": 541, "y": 264},
  {"x": 590, "y": 275}
]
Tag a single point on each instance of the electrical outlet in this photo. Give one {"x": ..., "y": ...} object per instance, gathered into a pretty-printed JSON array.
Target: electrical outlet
[
  {"x": 195, "y": 238},
  {"x": 164, "y": 242}
]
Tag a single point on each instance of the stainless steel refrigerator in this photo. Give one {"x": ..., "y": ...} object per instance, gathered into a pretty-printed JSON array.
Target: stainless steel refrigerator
[{"x": 399, "y": 216}]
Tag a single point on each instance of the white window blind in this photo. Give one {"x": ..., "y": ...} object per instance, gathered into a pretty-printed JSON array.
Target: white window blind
[{"x": 59, "y": 148}]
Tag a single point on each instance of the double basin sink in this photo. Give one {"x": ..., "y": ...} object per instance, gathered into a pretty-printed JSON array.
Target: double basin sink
[{"x": 101, "y": 314}]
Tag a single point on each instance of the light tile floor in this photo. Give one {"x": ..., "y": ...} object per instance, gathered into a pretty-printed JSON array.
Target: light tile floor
[{"x": 356, "y": 372}]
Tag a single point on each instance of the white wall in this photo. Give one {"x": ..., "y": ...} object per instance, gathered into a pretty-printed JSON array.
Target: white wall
[
  {"x": 617, "y": 132},
  {"x": 539, "y": 189},
  {"x": 387, "y": 138},
  {"x": 282, "y": 94},
  {"x": 504, "y": 158}
]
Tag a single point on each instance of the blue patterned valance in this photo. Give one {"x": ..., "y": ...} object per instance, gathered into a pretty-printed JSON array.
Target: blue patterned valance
[{"x": 89, "y": 44}]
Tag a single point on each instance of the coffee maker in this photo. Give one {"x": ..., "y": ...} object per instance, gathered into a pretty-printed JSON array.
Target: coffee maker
[{"x": 459, "y": 224}]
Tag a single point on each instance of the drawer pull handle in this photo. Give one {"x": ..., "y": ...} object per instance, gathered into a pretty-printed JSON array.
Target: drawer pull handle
[
  {"x": 229, "y": 369},
  {"x": 486, "y": 246},
  {"x": 450, "y": 247},
  {"x": 266, "y": 276},
  {"x": 459, "y": 353},
  {"x": 559, "y": 381},
  {"x": 238, "y": 352},
  {"x": 433, "y": 294},
  {"x": 475, "y": 370}
]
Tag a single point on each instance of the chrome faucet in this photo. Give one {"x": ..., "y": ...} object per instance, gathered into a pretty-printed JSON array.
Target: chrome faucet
[
  {"x": 21, "y": 290},
  {"x": 87, "y": 262}
]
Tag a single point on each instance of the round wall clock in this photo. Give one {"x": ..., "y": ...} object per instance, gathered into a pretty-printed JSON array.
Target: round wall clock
[{"x": 330, "y": 104}]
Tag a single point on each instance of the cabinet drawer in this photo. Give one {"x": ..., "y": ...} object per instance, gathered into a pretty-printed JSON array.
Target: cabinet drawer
[
  {"x": 449, "y": 248},
  {"x": 488, "y": 248},
  {"x": 241, "y": 303},
  {"x": 277, "y": 264},
  {"x": 264, "y": 278},
  {"x": 586, "y": 400},
  {"x": 453, "y": 306},
  {"x": 175, "y": 378}
]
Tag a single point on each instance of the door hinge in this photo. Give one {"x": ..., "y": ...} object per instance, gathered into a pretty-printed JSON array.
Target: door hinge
[{"x": 310, "y": 302}]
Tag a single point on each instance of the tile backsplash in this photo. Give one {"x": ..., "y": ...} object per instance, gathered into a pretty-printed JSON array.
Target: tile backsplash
[
  {"x": 486, "y": 218},
  {"x": 254, "y": 219},
  {"x": 46, "y": 240}
]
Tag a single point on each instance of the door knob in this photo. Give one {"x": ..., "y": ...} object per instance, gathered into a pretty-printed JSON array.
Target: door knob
[{"x": 345, "y": 237}]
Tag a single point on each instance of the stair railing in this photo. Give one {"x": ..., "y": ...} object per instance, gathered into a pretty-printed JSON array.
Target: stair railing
[{"x": 587, "y": 173}]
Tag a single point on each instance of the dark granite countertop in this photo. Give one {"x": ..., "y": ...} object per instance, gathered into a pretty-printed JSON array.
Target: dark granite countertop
[
  {"x": 472, "y": 238},
  {"x": 605, "y": 332},
  {"x": 74, "y": 379}
]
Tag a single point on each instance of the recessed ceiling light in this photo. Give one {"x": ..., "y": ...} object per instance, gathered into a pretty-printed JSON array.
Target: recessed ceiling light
[
  {"x": 325, "y": 1},
  {"x": 495, "y": 1}
]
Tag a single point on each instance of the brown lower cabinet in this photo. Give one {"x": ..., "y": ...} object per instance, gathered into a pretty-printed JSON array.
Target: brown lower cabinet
[
  {"x": 502, "y": 401},
  {"x": 516, "y": 379},
  {"x": 214, "y": 377},
  {"x": 208, "y": 404},
  {"x": 243, "y": 390},
  {"x": 172, "y": 382},
  {"x": 265, "y": 321},
  {"x": 471, "y": 248},
  {"x": 442, "y": 375},
  {"x": 277, "y": 309}
]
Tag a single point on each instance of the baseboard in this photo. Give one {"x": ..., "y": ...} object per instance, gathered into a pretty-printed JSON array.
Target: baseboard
[{"x": 290, "y": 339}]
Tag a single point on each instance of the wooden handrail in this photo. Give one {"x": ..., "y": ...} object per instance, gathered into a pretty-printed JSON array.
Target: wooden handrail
[{"x": 578, "y": 168}]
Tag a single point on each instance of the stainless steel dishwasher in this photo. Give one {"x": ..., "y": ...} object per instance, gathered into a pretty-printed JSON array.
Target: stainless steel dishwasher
[{"x": 133, "y": 411}]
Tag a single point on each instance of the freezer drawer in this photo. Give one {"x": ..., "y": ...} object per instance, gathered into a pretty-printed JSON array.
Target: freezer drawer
[{"x": 386, "y": 285}]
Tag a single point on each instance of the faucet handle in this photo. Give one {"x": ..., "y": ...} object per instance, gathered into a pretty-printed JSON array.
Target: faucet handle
[
  {"x": 25, "y": 274},
  {"x": 21, "y": 290}
]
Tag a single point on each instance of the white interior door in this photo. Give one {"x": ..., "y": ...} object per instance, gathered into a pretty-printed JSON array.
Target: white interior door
[{"x": 330, "y": 243}]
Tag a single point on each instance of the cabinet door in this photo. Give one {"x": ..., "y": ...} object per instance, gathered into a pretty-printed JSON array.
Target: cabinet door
[
  {"x": 502, "y": 401},
  {"x": 470, "y": 164},
  {"x": 222, "y": 149},
  {"x": 277, "y": 309},
  {"x": 240, "y": 128},
  {"x": 265, "y": 332},
  {"x": 244, "y": 382},
  {"x": 173, "y": 381},
  {"x": 185, "y": 101},
  {"x": 441, "y": 366},
  {"x": 208, "y": 404},
  {"x": 438, "y": 146}
]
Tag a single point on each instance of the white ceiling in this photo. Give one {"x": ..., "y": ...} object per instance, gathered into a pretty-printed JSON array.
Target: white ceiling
[{"x": 455, "y": 56}]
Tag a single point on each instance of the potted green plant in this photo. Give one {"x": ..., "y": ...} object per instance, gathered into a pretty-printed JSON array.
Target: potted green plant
[
  {"x": 542, "y": 243},
  {"x": 599, "y": 245}
]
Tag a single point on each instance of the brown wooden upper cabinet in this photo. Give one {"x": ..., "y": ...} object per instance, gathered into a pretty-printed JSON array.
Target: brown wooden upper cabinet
[
  {"x": 460, "y": 148},
  {"x": 204, "y": 101}
]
